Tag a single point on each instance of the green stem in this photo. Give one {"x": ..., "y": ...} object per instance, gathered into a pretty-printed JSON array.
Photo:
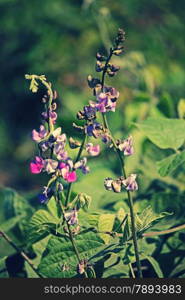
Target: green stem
[
  {"x": 76, "y": 160},
  {"x": 131, "y": 270},
  {"x": 70, "y": 233},
  {"x": 132, "y": 216},
  {"x": 23, "y": 254},
  {"x": 105, "y": 68}
]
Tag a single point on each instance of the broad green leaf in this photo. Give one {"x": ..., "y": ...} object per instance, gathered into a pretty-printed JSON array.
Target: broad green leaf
[
  {"x": 41, "y": 225},
  {"x": 154, "y": 264},
  {"x": 165, "y": 133},
  {"x": 170, "y": 163},
  {"x": 115, "y": 268},
  {"x": 3, "y": 269},
  {"x": 148, "y": 218},
  {"x": 54, "y": 208},
  {"x": 60, "y": 253},
  {"x": 38, "y": 248},
  {"x": 106, "y": 223},
  {"x": 181, "y": 108},
  {"x": 9, "y": 224},
  {"x": 16, "y": 205}
]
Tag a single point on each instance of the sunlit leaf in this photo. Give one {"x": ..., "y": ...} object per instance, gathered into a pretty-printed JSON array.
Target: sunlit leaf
[
  {"x": 170, "y": 163},
  {"x": 165, "y": 133}
]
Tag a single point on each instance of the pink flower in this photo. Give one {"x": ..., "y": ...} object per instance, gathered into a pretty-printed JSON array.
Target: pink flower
[
  {"x": 93, "y": 150},
  {"x": 66, "y": 174},
  {"x": 130, "y": 183},
  {"x": 71, "y": 176},
  {"x": 37, "y": 136},
  {"x": 72, "y": 217},
  {"x": 36, "y": 165},
  {"x": 126, "y": 146}
]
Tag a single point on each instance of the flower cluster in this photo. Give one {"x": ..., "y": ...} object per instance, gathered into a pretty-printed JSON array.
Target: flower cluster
[
  {"x": 106, "y": 100},
  {"x": 53, "y": 157},
  {"x": 116, "y": 186}
]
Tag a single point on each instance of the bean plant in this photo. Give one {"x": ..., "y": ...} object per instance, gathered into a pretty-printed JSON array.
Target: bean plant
[{"x": 67, "y": 238}]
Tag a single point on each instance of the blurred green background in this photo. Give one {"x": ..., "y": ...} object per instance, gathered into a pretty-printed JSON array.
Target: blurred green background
[{"x": 60, "y": 38}]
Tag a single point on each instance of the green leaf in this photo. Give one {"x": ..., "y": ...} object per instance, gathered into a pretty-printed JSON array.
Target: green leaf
[
  {"x": 154, "y": 264},
  {"x": 38, "y": 248},
  {"x": 41, "y": 225},
  {"x": 106, "y": 223},
  {"x": 60, "y": 252},
  {"x": 170, "y": 163},
  {"x": 6, "y": 226},
  {"x": 16, "y": 205},
  {"x": 3, "y": 269},
  {"x": 115, "y": 268},
  {"x": 165, "y": 133},
  {"x": 148, "y": 218}
]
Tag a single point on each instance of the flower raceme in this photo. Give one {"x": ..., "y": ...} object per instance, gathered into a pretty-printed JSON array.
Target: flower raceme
[{"x": 116, "y": 186}]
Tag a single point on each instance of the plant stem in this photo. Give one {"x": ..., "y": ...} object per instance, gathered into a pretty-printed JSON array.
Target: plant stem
[
  {"x": 77, "y": 159},
  {"x": 70, "y": 234},
  {"x": 23, "y": 254},
  {"x": 106, "y": 126},
  {"x": 132, "y": 216},
  {"x": 168, "y": 231},
  {"x": 105, "y": 68},
  {"x": 131, "y": 270}
]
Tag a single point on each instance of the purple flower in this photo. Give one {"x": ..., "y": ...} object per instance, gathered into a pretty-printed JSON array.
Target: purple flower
[
  {"x": 81, "y": 266},
  {"x": 59, "y": 151},
  {"x": 37, "y": 136},
  {"x": 105, "y": 137},
  {"x": 106, "y": 99},
  {"x": 52, "y": 115},
  {"x": 93, "y": 129},
  {"x": 126, "y": 146},
  {"x": 130, "y": 183},
  {"x": 50, "y": 165},
  {"x": 81, "y": 164},
  {"x": 88, "y": 113},
  {"x": 46, "y": 195},
  {"x": 93, "y": 150},
  {"x": 72, "y": 217}
]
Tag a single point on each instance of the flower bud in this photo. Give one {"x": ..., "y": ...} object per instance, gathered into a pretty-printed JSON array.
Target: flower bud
[
  {"x": 99, "y": 66},
  {"x": 97, "y": 89},
  {"x": 80, "y": 115},
  {"x": 73, "y": 144},
  {"x": 114, "y": 68},
  {"x": 92, "y": 82},
  {"x": 83, "y": 201},
  {"x": 110, "y": 73},
  {"x": 55, "y": 95},
  {"x": 54, "y": 106},
  {"x": 108, "y": 183},
  {"x": 100, "y": 57}
]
